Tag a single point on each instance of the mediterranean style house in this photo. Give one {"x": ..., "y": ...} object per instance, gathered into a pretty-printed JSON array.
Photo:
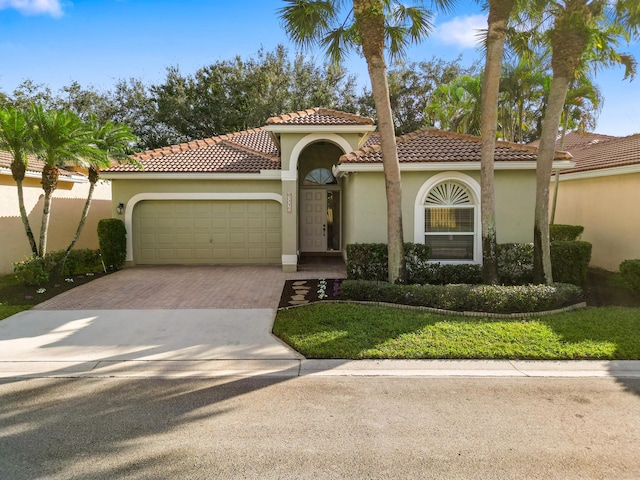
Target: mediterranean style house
[
  {"x": 601, "y": 193},
  {"x": 311, "y": 182}
]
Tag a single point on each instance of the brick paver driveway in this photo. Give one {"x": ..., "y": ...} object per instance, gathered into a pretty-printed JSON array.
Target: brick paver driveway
[{"x": 180, "y": 287}]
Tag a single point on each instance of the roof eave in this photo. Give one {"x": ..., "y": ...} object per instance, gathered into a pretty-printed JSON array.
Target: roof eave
[
  {"x": 287, "y": 128},
  {"x": 262, "y": 175},
  {"x": 38, "y": 175},
  {"x": 345, "y": 168}
]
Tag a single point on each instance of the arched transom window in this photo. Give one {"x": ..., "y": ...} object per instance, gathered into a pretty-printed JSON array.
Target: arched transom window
[
  {"x": 319, "y": 176},
  {"x": 450, "y": 222}
]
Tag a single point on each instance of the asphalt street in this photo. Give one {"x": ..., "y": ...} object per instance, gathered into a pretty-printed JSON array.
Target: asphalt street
[{"x": 320, "y": 428}]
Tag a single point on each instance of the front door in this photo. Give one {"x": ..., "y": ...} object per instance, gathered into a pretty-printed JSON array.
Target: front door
[{"x": 313, "y": 221}]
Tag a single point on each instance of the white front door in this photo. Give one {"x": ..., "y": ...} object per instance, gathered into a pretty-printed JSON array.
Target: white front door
[{"x": 313, "y": 220}]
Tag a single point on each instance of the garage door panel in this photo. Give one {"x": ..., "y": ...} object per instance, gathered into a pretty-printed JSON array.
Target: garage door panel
[{"x": 207, "y": 232}]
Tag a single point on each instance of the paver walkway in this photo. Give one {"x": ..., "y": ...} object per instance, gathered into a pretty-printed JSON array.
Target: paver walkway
[{"x": 187, "y": 287}]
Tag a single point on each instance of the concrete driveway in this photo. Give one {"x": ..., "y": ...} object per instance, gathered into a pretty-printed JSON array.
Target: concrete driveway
[{"x": 170, "y": 320}]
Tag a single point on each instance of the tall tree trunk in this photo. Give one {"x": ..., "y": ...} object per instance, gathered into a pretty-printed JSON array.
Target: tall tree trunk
[
  {"x": 499, "y": 13},
  {"x": 370, "y": 23},
  {"x": 18, "y": 170},
  {"x": 49, "y": 184},
  {"x": 568, "y": 42},
  {"x": 93, "y": 178},
  {"x": 546, "y": 152}
]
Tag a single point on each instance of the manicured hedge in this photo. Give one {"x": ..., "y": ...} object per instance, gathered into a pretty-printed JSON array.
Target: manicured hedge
[
  {"x": 370, "y": 261},
  {"x": 630, "y": 271},
  {"x": 570, "y": 261},
  {"x": 564, "y": 233},
  {"x": 515, "y": 263},
  {"x": 476, "y": 298},
  {"x": 112, "y": 237}
]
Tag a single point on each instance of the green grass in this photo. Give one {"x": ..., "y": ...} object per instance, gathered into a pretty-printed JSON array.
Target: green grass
[
  {"x": 352, "y": 331},
  {"x": 8, "y": 310}
]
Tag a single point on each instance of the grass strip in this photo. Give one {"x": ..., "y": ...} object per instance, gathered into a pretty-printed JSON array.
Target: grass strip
[{"x": 349, "y": 331}]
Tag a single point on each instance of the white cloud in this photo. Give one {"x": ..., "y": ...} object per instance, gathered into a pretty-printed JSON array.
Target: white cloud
[
  {"x": 34, "y": 7},
  {"x": 462, "y": 31}
]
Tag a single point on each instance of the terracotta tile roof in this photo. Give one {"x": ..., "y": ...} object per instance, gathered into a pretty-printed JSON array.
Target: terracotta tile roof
[
  {"x": 430, "y": 145},
  {"x": 33, "y": 165},
  {"x": 248, "y": 151},
  {"x": 614, "y": 152},
  {"x": 320, "y": 116},
  {"x": 575, "y": 139}
]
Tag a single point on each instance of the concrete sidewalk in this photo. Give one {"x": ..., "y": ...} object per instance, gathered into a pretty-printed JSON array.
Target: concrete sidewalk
[{"x": 209, "y": 343}]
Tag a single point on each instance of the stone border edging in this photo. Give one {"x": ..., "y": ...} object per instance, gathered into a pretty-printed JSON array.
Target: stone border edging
[{"x": 440, "y": 311}]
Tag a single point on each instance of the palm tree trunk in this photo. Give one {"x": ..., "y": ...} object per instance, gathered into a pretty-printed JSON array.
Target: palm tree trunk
[
  {"x": 546, "y": 152},
  {"x": 370, "y": 23},
  {"x": 18, "y": 170},
  {"x": 499, "y": 13},
  {"x": 49, "y": 184},
  {"x": 25, "y": 219},
  {"x": 83, "y": 218}
]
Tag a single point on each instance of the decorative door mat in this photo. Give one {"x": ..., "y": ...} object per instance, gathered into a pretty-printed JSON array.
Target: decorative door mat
[{"x": 302, "y": 292}]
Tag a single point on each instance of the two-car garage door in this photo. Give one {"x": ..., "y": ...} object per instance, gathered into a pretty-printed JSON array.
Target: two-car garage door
[{"x": 207, "y": 231}]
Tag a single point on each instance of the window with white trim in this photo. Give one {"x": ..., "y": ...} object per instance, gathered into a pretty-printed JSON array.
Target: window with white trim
[{"x": 450, "y": 227}]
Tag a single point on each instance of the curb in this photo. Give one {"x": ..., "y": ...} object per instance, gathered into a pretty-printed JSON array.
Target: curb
[{"x": 307, "y": 367}]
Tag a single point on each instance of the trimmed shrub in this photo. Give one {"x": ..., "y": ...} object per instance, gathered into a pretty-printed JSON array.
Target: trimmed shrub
[
  {"x": 34, "y": 271},
  {"x": 564, "y": 233},
  {"x": 112, "y": 237},
  {"x": 444, "y": 273},
  {"x": 570, "y": 261},
  {"x": 369, "y": 261},
  {"x": 478, "y": 298},
  {"x": 630, "y": 272},
  {"x": 515, "y": 263}
]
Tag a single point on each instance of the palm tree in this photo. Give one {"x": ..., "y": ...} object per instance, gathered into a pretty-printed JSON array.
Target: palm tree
[
  {"x": 580, "y": 27},
  {"x": 456, "y": 106},
  {"x": 499, "y": 14},
  {"x": 15, "y": 137},
  {"x": 371, "y": 25},
  {"x": 59, "y": 138},
  {"x": 113, "y": 143}
]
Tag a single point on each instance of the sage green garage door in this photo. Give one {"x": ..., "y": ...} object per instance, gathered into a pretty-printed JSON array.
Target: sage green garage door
[{"x": 207, "y": 231}]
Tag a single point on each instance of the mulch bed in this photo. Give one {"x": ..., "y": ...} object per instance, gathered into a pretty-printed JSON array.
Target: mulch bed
[
  {"x": 303, "y": 292},
  {"x": 16, "y": 293}
]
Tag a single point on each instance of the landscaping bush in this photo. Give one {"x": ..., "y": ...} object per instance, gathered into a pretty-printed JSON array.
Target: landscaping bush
[
  {"x": 82, "y": 261},
  {"x": 515, "y": 263},
  {"x": 570, "y": 261},
  {"x": 564, "y": 233},
  {"x": 370, "y": 261},
  {"x": 478, "y": 298},
  {"x": 35, "y": 271},
  {"x": 112, "y": 237},
  {"x": 444, "y": 273},
  {"x": 630, "y": 272}
]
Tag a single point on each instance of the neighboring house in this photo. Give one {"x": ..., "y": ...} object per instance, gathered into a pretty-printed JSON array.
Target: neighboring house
[
  {"x": 601, "y": 193},
  {"x": 66, "y": 208},
  {"x": 312, "y": 182}
]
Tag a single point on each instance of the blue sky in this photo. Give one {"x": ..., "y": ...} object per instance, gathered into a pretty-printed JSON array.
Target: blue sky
[{"x": 97, "y": 42}]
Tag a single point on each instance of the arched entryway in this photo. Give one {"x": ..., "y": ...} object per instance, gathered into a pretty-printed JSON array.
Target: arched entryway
[{"x": 320, "y": 194}]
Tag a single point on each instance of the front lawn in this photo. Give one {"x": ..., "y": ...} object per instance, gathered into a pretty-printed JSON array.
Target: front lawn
[{"x": 350, "y": 331}]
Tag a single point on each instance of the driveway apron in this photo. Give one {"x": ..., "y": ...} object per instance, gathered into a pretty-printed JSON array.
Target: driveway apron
[{"x": 167, "y": 320}]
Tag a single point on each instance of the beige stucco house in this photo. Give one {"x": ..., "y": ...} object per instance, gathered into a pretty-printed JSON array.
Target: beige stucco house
[
  {"x": 311, "y": 182},
  {"x": 602, "y": 193},
  {"x": 66, "y": 208}
]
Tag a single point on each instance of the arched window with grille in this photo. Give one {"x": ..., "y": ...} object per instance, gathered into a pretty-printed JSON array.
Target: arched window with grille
[{"x": 449, "y": 220}]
